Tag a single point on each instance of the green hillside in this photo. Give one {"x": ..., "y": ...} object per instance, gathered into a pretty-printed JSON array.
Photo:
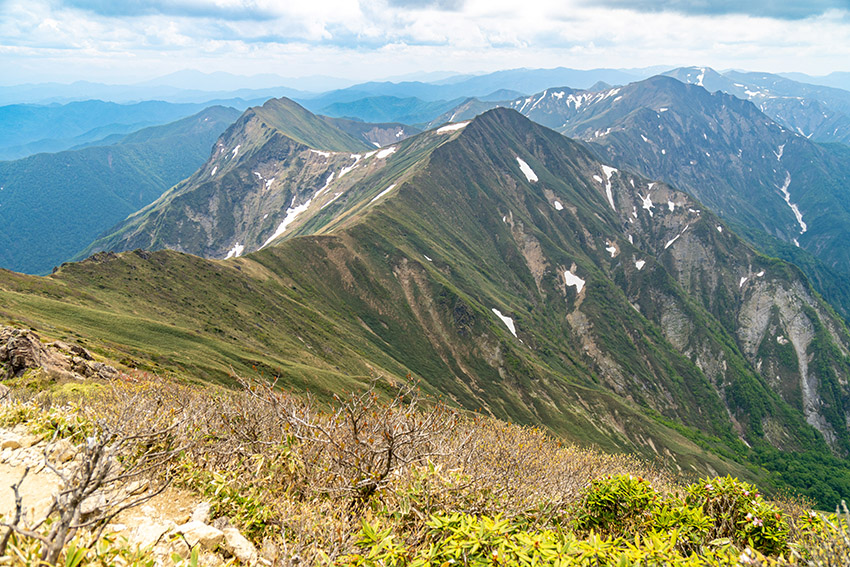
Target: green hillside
[{"x": 53, "y": 205}]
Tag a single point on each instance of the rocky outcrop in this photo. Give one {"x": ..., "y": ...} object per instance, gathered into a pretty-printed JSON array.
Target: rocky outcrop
[{"x": 22, "y": 350}]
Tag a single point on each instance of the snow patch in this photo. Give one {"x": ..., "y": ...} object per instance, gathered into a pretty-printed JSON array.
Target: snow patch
[
  {"x": 509, "y": 323},
  {"x": 675, "y": 238},
  {"x": 427, "y": 258},
  {"x": 452, "y": 127},
  {"x": 270, "y": 181},
  {"x": 779, "y": 153},
  {"x": 597, "y": 178},
  {"x": 558, "y": 206},
  {"x": 719, "y": 228},
  {"x": 386, "y": 152},
  {"x": 236, "y": 150},
  {"x": 671, "y": 241},
  {"x": 326, "y": 185},
  {"x": 647, "y": 203},
  {"x": 671, "y": 205},
  {"x": 213, "y": 171},
  {"x": 382, "y": 193},
  {"x": 742, "y": 282},
  {"x": 323, "y": 154},
  {"x": 572, "y": 279},
  {"x": 291, "y": 214},
  {"x": 526, "y": 170},
  {"x": 794, "y": 208},
  {"x": 538, "y": 100},
  {"x": 235, "y": 252},
  {"x": 344, "y": 170},
  {"x": 611, "y": 249},
  {"x": 609, "y": 171},
  {"x": 334, "y": 198},
  {"x": 640, "y": 264}
]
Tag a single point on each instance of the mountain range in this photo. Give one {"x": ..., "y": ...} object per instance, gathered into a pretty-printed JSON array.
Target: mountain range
[
  {"x": 817, "y": 112},
  {"x": 501, "y": 262},
  {"x": 612, "y": 287},
  {"x": 778, "y": 187}
]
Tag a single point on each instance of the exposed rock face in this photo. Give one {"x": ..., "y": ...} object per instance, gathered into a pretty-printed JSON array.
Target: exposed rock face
[{"x": 21, "y": 350}]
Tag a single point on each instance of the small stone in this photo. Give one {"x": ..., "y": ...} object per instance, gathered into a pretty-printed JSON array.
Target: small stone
[
  {"x": 63, "y": 451},
  {"x": 202, "y": 513},
  {"x": 149, "y": 532},
  {"x": 200, "y": 533},
  {"x": 29, "y": 440},
  {"x": 270, "y": 550},
  {"x": 10, "y": 444},
  {"x": 239, "y": 546}
]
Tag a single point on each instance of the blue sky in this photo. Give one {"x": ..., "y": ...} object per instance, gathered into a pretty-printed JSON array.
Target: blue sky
[{"x": 134, "y": 40}]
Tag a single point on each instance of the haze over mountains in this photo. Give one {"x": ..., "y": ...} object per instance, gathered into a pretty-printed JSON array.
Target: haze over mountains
[{"x": 641, "y": 263}]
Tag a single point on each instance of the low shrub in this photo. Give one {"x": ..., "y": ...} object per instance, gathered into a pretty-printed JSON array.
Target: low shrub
[{"x": 740, "y": 514}]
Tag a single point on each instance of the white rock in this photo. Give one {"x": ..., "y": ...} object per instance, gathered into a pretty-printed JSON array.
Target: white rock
[
  {"x": 201, "y": 513},
  {"x": 148, "y": 533},
  {"x": 199, "y": 533},
  {"x": 239, "y": 546}
]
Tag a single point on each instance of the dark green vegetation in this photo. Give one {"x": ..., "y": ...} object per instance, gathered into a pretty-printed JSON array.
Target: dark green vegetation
[
  {"x": 53, "y": 205},
  {"x": 29, "y": 129},
  {"x": 398, "y": 266}
]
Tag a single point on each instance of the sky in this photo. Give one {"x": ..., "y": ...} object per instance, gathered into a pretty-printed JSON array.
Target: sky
[{"x": 129, "y": 41}]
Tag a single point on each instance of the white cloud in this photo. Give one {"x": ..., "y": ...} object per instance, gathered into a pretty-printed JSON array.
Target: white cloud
[{"x": 46, "y": 39}]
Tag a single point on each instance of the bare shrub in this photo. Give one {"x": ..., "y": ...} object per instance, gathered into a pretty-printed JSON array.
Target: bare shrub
[{"x": 120, "y": 451}]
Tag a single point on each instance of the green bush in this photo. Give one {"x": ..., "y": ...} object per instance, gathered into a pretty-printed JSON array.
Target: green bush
[
  {"x": 624, "y": 505},
  {"x": 617, "y": 505},
  {"x": 740, "y": 514}
]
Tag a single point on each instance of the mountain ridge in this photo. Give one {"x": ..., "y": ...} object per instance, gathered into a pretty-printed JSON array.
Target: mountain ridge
[{"x": 601, "y": 205}]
